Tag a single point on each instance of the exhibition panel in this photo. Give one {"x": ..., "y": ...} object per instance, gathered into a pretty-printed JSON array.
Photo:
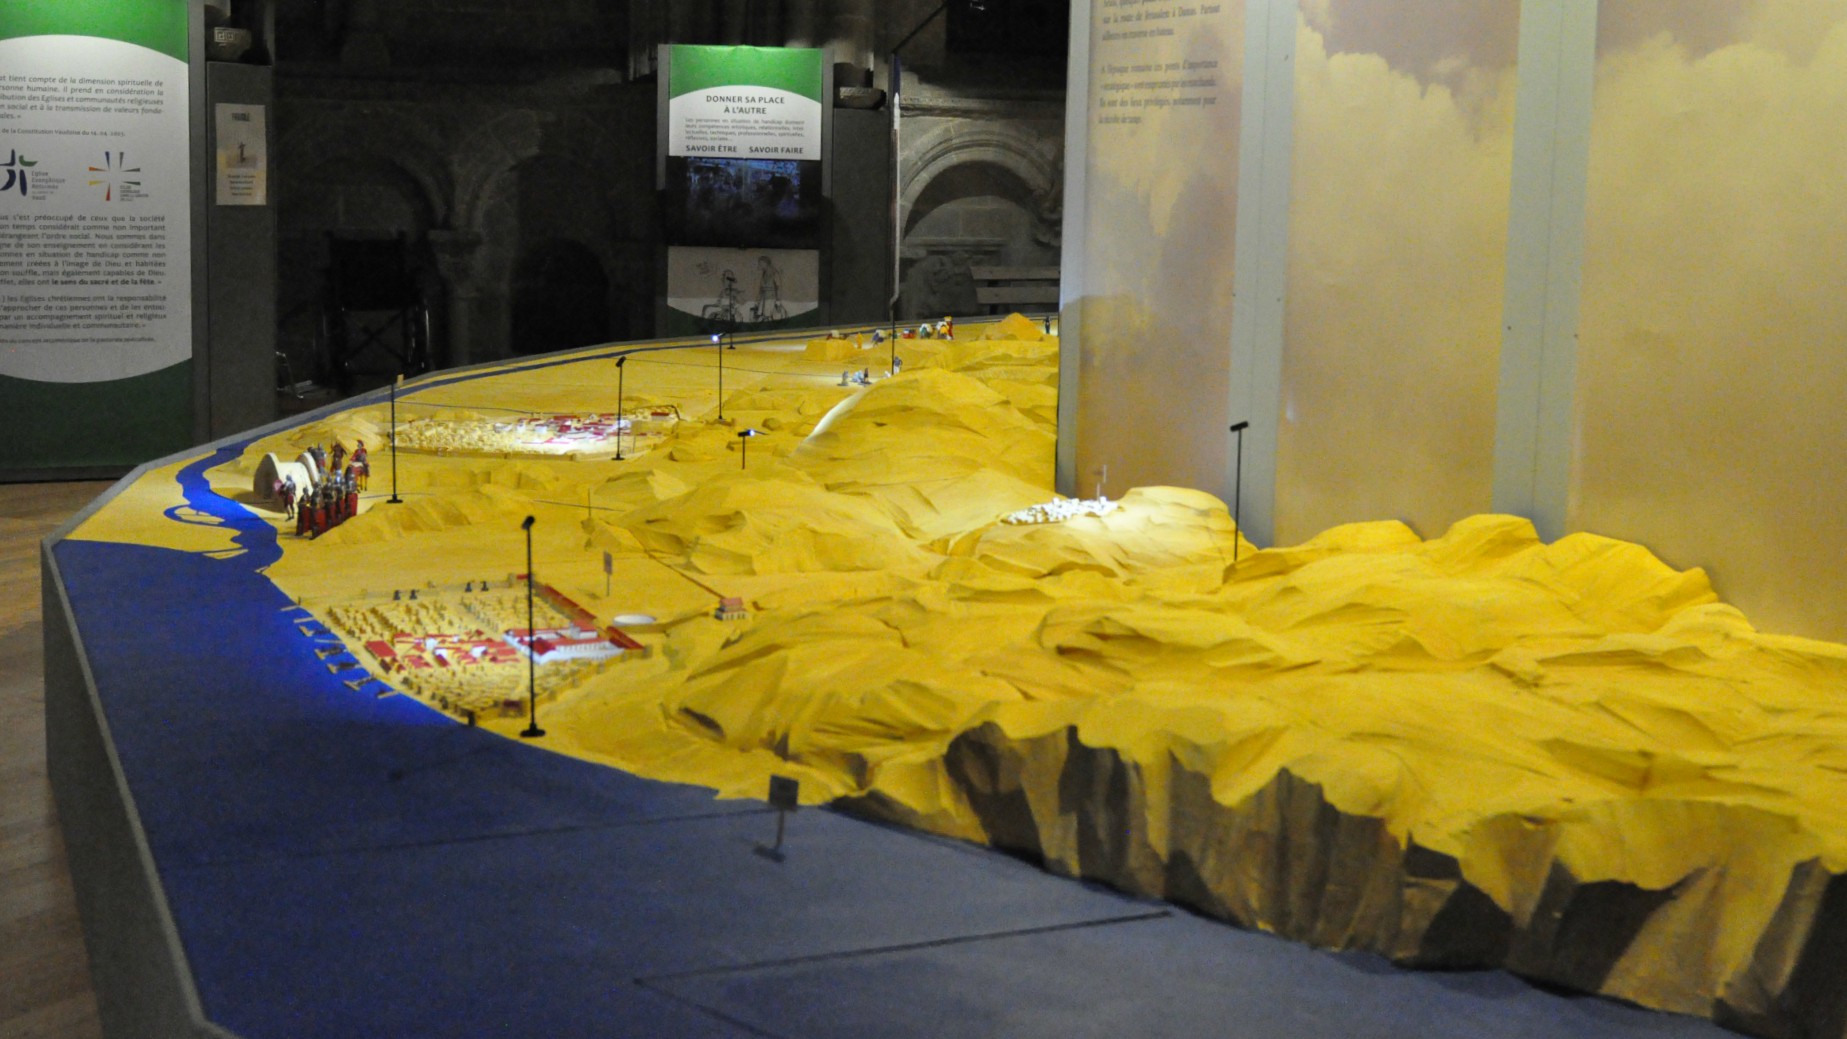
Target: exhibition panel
[
  {"x": 1570, "y": 261},
  {"x": 1398, "y": 214},
  {"x": 1710, "y": 379},
  {"x": 96, "y": 208},
  {"x": 1163, "y": 110}
]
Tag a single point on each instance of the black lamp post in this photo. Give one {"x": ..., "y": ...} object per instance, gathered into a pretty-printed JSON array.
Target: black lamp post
[
  {"x": 744, "y": 436},
  {"x": 1237, "y": 492},
  {"x": 532, "y": 729},
  {"x": 716, "y": 337},
  {"x": 394, "y": 499},
  {"x": 620, "y": 361}
]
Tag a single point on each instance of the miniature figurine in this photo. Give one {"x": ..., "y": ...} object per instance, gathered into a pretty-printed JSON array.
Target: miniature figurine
[
  {"x": 878, "y": 336},
  {"x": 288, "y": 497},
  {"x": 946, "y": 328},
  {"x": 338, "y": 455}
]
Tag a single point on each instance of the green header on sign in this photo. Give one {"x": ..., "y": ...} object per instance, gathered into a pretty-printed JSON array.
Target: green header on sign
[
  {"x": 795, "y": 69},
  {"x": 155, "y": 24}
]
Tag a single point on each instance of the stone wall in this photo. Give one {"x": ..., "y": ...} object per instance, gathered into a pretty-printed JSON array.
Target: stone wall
[
  {"x": 512, "y": 145},
  {"x": 483, "y": 180}
]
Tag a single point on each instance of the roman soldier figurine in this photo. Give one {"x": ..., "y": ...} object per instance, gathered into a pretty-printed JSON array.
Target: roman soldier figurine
[
  {"x": 338, "y": 455},
  {"x": 288, "y": 497},
  {"x": 362, "y": 462}
]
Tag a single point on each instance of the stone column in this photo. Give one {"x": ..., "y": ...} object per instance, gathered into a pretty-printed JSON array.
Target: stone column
[
  {"x": 363, "y": 44},
  {"x": 731, "y": 22},
  {"x": 459, "y": 256},
  {"x": 800, "y": 23},
  {"x": 850, "y": 25}
]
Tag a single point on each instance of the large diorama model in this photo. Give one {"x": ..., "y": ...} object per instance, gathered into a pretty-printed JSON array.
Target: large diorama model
[{"x": 1475, "y": 749}]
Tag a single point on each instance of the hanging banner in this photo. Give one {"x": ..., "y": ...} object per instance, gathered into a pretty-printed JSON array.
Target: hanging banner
[
  {"x": 751, "y": 287},
  {"x": 741, "y": 175},
  {"x": 745, "y": 103},
  {"x": 96, "y": 220}
]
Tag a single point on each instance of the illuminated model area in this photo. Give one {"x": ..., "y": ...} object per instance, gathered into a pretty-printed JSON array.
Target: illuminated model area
[{"x": 1473, "y": 750}]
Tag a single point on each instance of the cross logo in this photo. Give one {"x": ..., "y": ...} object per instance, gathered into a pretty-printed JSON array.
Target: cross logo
[
  {"x": 114, "y": 168},
  {"x": 15, "y": 166}
]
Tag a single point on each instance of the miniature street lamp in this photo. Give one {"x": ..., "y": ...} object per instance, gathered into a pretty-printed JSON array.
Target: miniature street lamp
[
  {"x": 1237, "y": 492},
  {"x": 721, "y": 376},
  {"x": 744, "y": 436},
  {"x": 620, "y": 361},
  {"x": 532, "y": 729},
  {"x": 394, "y": 499}
]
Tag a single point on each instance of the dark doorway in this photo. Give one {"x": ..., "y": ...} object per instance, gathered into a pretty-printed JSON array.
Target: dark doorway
[{"x": 560, "y": 298}]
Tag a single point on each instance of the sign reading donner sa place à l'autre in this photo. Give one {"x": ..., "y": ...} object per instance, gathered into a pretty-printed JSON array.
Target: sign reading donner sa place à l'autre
[
  {"x": 95, "y": 216},
  {"x": 744, "y": 103}
]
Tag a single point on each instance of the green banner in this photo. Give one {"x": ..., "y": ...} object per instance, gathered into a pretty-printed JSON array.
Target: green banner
[
  {"x": 158, "y": 25},
  {"x": 96, "y": 243},
  {"x": 95, "y": 425},
  {"x": 795, "y": 69}
]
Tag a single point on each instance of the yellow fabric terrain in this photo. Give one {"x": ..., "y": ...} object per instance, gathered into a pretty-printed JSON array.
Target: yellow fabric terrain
[{"x": 1476, "y": 749}]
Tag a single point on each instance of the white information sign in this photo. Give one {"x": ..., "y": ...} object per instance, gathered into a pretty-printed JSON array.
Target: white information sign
[
  {"x": 241, "y": 143},
  {"x": 744, "y": 123},
  {"x": 95, "y": 275}
]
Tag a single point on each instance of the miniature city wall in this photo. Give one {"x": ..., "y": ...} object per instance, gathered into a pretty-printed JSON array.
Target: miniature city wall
[{"x": 1474, "y": 750}]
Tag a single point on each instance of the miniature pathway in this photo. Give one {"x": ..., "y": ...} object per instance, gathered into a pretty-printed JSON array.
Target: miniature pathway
[{"x": 340, "y": 865}]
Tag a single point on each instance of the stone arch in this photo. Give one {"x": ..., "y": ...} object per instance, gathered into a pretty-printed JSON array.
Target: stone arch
[
  {"x": 559, "y": 297},
  {"x": 947, "y": 147},
  {"x": 979, "y": 196},
  {"x": 487, "y": 157},
  {"x": 590, "y": 225},
  {"x": 345, "y": 175},
  {"x": 376, "y": 139}
]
